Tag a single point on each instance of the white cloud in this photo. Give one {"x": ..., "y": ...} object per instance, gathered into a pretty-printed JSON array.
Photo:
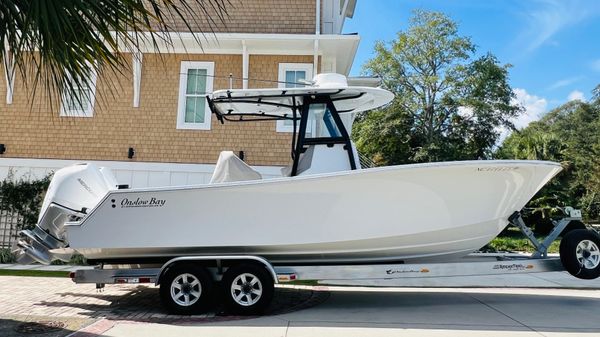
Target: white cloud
[
  {"x": 576, "y": 95},
  {"x": 564, "y": 82},
  {"x": 596, "y": 65},
  {"x": 534, "y": 106},
  {"x": 548, "y": 17}
]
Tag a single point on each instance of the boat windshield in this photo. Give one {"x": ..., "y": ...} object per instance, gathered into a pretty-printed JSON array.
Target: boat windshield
[{"x": 321, "y": 123}]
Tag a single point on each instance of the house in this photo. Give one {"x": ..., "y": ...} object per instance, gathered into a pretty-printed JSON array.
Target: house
[{"x": 155, "y": 128}]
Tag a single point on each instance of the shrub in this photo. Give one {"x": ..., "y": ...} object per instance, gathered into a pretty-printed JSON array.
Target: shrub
[
  {"x": 76, "y": 260},
  {"x": 6, "y": 256},
  {"x": 24, "y": 197}
]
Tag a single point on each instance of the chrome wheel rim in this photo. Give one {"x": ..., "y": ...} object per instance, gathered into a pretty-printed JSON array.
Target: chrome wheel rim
[
  {"x": 246, "y": 289},
  {"x": 588, "y": 254},
  {"x": 186, "y": 290}
]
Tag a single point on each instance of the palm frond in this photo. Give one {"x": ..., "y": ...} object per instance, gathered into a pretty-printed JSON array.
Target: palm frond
[{"x": 59, "y": 44}]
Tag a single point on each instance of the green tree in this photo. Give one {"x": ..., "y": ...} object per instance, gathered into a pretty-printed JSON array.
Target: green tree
[
  {"x": 568, "y": 134},
  {"x": 448, "y": 104},
  {"x": 73, "y": 38}
]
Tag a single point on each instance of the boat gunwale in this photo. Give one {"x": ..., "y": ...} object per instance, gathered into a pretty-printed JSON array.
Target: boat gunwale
[
  {"x": 338, "y": 174},
  {"x": 329, "y": 175}
]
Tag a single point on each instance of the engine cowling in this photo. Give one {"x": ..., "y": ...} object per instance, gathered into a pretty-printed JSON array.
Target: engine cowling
[{"x": 73, "y": 191}]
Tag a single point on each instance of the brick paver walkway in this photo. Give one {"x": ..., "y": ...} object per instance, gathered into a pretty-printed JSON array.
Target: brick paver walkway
[{"x": 60, "y": 297}]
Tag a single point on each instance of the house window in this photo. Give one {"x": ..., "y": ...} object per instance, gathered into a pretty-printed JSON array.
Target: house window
[
  {"x": 79, "y": 101},
  {"x": 291, "y": 75},
  {"x": 195, "y": 82}
]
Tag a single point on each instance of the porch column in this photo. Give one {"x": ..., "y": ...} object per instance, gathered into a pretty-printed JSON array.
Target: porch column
[
  {"x": 137, "y": 77},
  {"x": 245, "y": 64},
  {"x": 9, "y": 73}
]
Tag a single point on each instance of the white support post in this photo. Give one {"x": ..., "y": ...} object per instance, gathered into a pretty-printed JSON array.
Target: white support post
[
  {"x": 342, "y": 18},
  {"x": 317, "y": 33},
  {"x": 318, "y": 18},
  {"x": 315, "y": 58},
  {"x": 9, "y": 73},
  {"x": 137, "y": 77},
  {"x": 245, "y": 64}
]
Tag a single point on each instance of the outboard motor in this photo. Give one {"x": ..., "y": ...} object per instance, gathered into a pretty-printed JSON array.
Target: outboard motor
[{"x": 73, "y": 191}]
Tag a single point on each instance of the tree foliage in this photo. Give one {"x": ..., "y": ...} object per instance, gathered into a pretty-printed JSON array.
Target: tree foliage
[
  {"x": 75, "y": 38},
  {"x": 568, "y": 134},
  {"x": 449, "y": 105}
]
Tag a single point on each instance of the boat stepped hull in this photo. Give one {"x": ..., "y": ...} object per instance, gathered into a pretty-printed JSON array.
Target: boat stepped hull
[{"x": 411, "y": 213}]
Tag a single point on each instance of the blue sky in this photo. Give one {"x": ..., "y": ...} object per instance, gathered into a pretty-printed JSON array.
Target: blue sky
[{"x": 553, "y": 45}]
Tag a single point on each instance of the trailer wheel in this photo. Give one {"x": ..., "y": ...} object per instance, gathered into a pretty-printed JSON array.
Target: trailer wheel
[
  {"x": 185, "y": 289},
  {"x": 248, "y": 289},
  {"x": 580, "y": 253}
]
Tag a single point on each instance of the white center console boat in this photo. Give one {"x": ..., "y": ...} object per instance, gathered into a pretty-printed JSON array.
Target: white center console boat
[{"x": 324, "y": 209}]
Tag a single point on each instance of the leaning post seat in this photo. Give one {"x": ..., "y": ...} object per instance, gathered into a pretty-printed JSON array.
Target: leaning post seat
[{"x": 231, "y": 168}]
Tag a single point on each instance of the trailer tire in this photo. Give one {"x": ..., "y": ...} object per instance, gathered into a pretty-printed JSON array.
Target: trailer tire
[
  {"x": 580, "y": 253},
  {"x": 247, "y": 289},
  {"x": 185, "y": 289}
]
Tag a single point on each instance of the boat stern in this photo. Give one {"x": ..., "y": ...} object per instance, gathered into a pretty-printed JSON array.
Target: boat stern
[{"x": 73, "y": 191}]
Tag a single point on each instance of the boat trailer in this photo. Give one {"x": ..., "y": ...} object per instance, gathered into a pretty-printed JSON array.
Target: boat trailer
[{"x": 248, "y": 281}]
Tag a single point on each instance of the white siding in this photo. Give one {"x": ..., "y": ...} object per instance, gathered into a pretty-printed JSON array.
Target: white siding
[{"x": 135, "y": 174}]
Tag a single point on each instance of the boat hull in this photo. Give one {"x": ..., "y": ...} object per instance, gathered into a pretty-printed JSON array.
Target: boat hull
[{"x": 411, "y": 213}]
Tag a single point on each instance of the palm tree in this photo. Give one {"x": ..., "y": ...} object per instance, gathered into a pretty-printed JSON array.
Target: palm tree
[{"x": 72, "y": 39}]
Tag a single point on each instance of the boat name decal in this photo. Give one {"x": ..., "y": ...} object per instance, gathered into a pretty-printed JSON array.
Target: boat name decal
[
  {"x": 514, "y": 266},
  {"x": 497, "y": 169},
  {"x": 139, "y": 202},
  {"x": 404, "y": 271}
]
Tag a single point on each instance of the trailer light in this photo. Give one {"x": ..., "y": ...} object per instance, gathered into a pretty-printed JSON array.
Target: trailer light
[
  {"x": 145, "y": 280},
  {"x": 286, "y": 277},
  {"x": 121, "y": 280}
]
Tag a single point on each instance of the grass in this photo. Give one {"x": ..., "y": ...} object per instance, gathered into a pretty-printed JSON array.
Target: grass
[
  {"x": 303, "y": 283},
  {"x": 33, "y": 273},
  {"x": 509, "y": 243}
]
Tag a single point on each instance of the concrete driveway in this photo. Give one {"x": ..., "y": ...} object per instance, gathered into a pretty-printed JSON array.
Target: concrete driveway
[
  {"x": 334, "y": 311},
  {"x": 412, "y": 312}
]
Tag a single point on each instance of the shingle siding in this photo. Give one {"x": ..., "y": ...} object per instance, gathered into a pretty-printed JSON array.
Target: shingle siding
[
  {"x": 257, "y": 16},
  {"x": 32, "y": 129}
]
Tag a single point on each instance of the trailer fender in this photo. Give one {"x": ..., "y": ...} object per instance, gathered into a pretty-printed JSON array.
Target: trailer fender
[{"x": 218, "y": 259}]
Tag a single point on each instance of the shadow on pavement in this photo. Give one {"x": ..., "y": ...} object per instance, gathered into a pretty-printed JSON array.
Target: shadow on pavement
[
  {"x": 142, "y": 304},
  {"x": 40, "y": 326},
  {"x": 481, "y": 310}
]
